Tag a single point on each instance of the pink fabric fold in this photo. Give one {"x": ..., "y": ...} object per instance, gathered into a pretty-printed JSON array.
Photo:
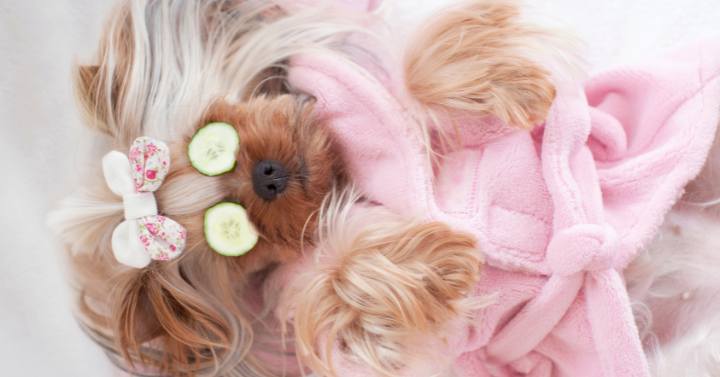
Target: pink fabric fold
[{"x": 558, "y": 212}]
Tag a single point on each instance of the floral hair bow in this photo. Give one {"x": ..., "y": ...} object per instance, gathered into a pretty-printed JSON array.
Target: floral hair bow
[{"x": 144, "y": 235}]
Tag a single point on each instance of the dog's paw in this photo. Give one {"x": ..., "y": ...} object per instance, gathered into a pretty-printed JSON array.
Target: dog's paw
[
  {"x": 390, "y": 283},
  {"x": 480, "y": 59}
]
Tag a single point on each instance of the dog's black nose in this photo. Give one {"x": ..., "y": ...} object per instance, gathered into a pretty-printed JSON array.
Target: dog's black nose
[{"x": 269, "y": 178}]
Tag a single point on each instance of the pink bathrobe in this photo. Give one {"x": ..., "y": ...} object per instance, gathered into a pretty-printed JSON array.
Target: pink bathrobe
[{"x": 558, "y": 212}]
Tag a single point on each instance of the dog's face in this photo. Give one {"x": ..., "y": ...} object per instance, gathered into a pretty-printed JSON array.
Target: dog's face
[
  {"x": 286, "y": 165},
  {"x": 198, "y": 311}
]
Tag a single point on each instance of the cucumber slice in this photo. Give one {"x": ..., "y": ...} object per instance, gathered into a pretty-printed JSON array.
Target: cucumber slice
[
  {"x": 213, "y": 149},
  {"x": 228, "y": 230}
]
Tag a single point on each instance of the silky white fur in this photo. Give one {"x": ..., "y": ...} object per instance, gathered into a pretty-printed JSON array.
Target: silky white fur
[{"x": 675, "y": 286}]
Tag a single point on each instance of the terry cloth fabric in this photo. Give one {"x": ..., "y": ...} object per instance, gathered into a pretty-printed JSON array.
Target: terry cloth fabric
[{"x": 558, "y": 212}]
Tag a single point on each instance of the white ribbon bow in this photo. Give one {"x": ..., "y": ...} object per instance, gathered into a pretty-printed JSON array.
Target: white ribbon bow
[{"x": 144, "y": 235}]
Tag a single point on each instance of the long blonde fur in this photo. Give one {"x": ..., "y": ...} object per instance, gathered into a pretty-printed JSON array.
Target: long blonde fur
[
  {"x": 160, "y": 64},
  {"x": 482, "y": 58},
  {"x": 378, "y": 284},
  {"x": 379, "y": 281},
  {"x": 674, "y": 284},
  {"x": 163, "y": 62},
  {"x": 675, "y": 293}
]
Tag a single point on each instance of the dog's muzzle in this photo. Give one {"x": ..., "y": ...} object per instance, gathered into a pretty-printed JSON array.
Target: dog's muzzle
[{"x": 270, "y": 179}]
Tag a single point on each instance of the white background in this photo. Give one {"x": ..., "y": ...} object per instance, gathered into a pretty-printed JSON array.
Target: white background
[{"x": 41, "y": 144}]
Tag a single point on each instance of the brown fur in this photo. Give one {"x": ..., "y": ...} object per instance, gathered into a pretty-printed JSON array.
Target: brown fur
[
  {"x": 392, "y": 282},
  {"x": 99, "y": 102},
  {"x": 283, "y": 129},
  {"x": 475, "y": 59},
  {"x": 201, "y": 311},
  {"x": 383, "y": 283},
  {"x": 161, "y": 304}
]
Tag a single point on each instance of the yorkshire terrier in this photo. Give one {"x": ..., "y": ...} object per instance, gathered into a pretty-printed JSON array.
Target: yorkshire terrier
[{"x": 164, "y": 70}]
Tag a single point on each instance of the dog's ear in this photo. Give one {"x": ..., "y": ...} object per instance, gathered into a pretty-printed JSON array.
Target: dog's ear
[
  {"x": 93, "y": 96},
  {"x": 478, "y": 59},
  {"x": 161, "y": 321},
  {"x": 87, "y": 81},
  {"x": 101, "y": 87}
]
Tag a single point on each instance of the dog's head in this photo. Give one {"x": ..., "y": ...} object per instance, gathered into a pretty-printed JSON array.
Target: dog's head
[
  {"x": 159, "y": 70},
  {"x": 286, "y": 165}
]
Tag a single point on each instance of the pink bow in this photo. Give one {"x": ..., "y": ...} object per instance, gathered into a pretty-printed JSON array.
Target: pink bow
[{"x": 144, "y": 235}]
